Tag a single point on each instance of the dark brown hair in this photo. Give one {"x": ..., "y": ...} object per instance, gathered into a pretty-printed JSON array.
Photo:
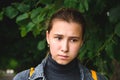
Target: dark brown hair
[{"x": 69, "y": 15}]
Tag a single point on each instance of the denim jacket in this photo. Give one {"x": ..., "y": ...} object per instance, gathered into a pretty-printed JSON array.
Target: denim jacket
[{"x": 38, "y": 74}]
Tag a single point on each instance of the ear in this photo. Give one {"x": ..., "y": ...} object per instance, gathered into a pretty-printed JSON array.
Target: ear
[{"x": 47, "y": 37}]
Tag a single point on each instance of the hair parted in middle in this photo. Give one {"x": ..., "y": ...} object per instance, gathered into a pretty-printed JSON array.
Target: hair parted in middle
[{"x": 68, "y": 15}]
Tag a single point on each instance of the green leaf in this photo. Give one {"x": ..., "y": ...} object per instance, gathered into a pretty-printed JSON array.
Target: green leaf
[
  {"x": 41, "y": 45},
  {"x": 23, "y": 31},
  {"x": 41, "y": 18},
  {"x": 26, "y": 29},
  {"x": 1, "y": 15},
  {"x": 22, "y": 17},
  {"x": 13, "y": 63},
  {"x": 38, "y": 15},
  {"x": 117, "y": 29},
  {"x": 82, "y": 52},
  {"x": 58, "y": 4},
  {"x": 21, "y": 7},
  {"x": 114, "y": 14},
  {"x": 90, "y": 45},
  {"x": 109, "y": 50},
  {"x": 36, "y": 31},
  {"x": 86, "y": 4},
  {"x": 90, "y": 55},
  {"x": 81, "y": 8},
  {"x": 46, "y": 1},
  {"x": 35, "y": 12},
  {"x": 30, "y": 26},
  {"x": 11, "y": 12},
  {"x": 70, "y": 3}
]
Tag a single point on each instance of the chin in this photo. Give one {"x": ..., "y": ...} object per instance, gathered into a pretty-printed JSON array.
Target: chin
[{"x": 63, "y": 63}]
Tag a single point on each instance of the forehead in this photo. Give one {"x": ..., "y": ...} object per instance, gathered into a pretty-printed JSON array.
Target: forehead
[{"x": 68, "y": 28}]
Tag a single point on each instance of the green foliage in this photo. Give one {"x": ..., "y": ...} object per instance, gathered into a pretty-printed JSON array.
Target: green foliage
[
  {"x": 41, "y": 45},
  {"x": 11, "y": 12},
  {"x": 114, "y": 14},
  {"x": 21, "y": 7},
  {"x": 1, "y": 16},
  {"x": 22, "y": 17},
  {"x": 70, "y": 3},
  {"x": 34, "y": 14},
  {"x": 46, "y": 1},
  {"x": 110, "y": 50},
  {"x": 117, "y": 29},
  {"x": 83, "y": 6},
  {"x": 13, "y": 64},
  {"x": 103, "y": 26}
]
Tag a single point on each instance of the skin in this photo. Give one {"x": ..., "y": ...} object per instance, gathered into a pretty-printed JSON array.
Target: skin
[{"x": 65, "y": 40}]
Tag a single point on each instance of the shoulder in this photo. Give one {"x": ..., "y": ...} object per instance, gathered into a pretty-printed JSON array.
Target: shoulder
[
  {"x": 22, "y": 75},
  {"x": 101, "y": 77},
  {"x": 25, "y": 75},
  {"x": 88, "y": 75}
]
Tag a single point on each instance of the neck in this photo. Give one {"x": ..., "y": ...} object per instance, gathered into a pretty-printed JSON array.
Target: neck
[
  {"x": 53, "y": 65},
  {"x": 55, "y": 71}
]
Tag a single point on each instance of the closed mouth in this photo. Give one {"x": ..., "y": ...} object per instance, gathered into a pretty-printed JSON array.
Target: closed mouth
[{"x": 63, "y": 57}]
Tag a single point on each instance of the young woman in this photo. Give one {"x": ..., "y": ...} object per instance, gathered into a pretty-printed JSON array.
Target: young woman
[{"x": 65, "y": 35}]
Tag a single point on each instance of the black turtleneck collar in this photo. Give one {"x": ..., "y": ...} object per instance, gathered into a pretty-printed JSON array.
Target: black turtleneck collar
[
  {"x": 53, "y": 70},
  {"x": 61, "y": 68}
]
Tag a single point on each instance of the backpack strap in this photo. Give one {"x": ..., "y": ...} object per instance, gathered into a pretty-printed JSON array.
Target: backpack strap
[
  {"x": 94, "y": 75},
  {"x": 31, "y": 71}
]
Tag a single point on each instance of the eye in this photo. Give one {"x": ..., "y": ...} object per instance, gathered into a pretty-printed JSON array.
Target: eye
[
  {"x": 74, "y": 40},
  {"x": 58, "y": 38}
]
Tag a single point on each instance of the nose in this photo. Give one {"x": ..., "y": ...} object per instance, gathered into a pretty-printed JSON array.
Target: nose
[{"x": 65, "y": 46}]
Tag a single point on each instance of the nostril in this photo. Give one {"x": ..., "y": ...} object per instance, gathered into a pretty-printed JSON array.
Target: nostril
[
  {"x": 65, "y": 46},
  {"x": 65, "y": 49}
]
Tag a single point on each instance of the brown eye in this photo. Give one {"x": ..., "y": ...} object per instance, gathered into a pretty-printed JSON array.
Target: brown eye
[
  {"x": 58, "y": 38},
  {"x": 73, "y": 40}
]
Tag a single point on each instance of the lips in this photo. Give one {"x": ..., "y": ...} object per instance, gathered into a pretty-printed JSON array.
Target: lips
[{"x": 63, "y": 57}]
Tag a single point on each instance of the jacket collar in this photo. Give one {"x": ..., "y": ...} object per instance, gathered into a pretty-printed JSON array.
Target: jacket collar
[{"x": 39, "y": 71}]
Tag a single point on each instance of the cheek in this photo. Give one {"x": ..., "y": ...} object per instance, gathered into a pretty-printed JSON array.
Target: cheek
[
  {"x": 75, "y": 49},
  {"x": 54, "y": 47}
]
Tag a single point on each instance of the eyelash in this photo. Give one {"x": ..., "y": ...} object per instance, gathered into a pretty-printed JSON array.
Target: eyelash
[
  {"x": 58, "y": 38},
  {"x": 71, "y": 40}
]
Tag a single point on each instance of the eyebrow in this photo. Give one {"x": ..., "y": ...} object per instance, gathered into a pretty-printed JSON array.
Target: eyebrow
[
  {"x": 69, "y": 36},
  {"x": 58, "y": 34}
]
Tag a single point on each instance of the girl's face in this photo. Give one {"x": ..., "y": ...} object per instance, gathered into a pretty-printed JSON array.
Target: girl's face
[{"x": 65, "y": 40}]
